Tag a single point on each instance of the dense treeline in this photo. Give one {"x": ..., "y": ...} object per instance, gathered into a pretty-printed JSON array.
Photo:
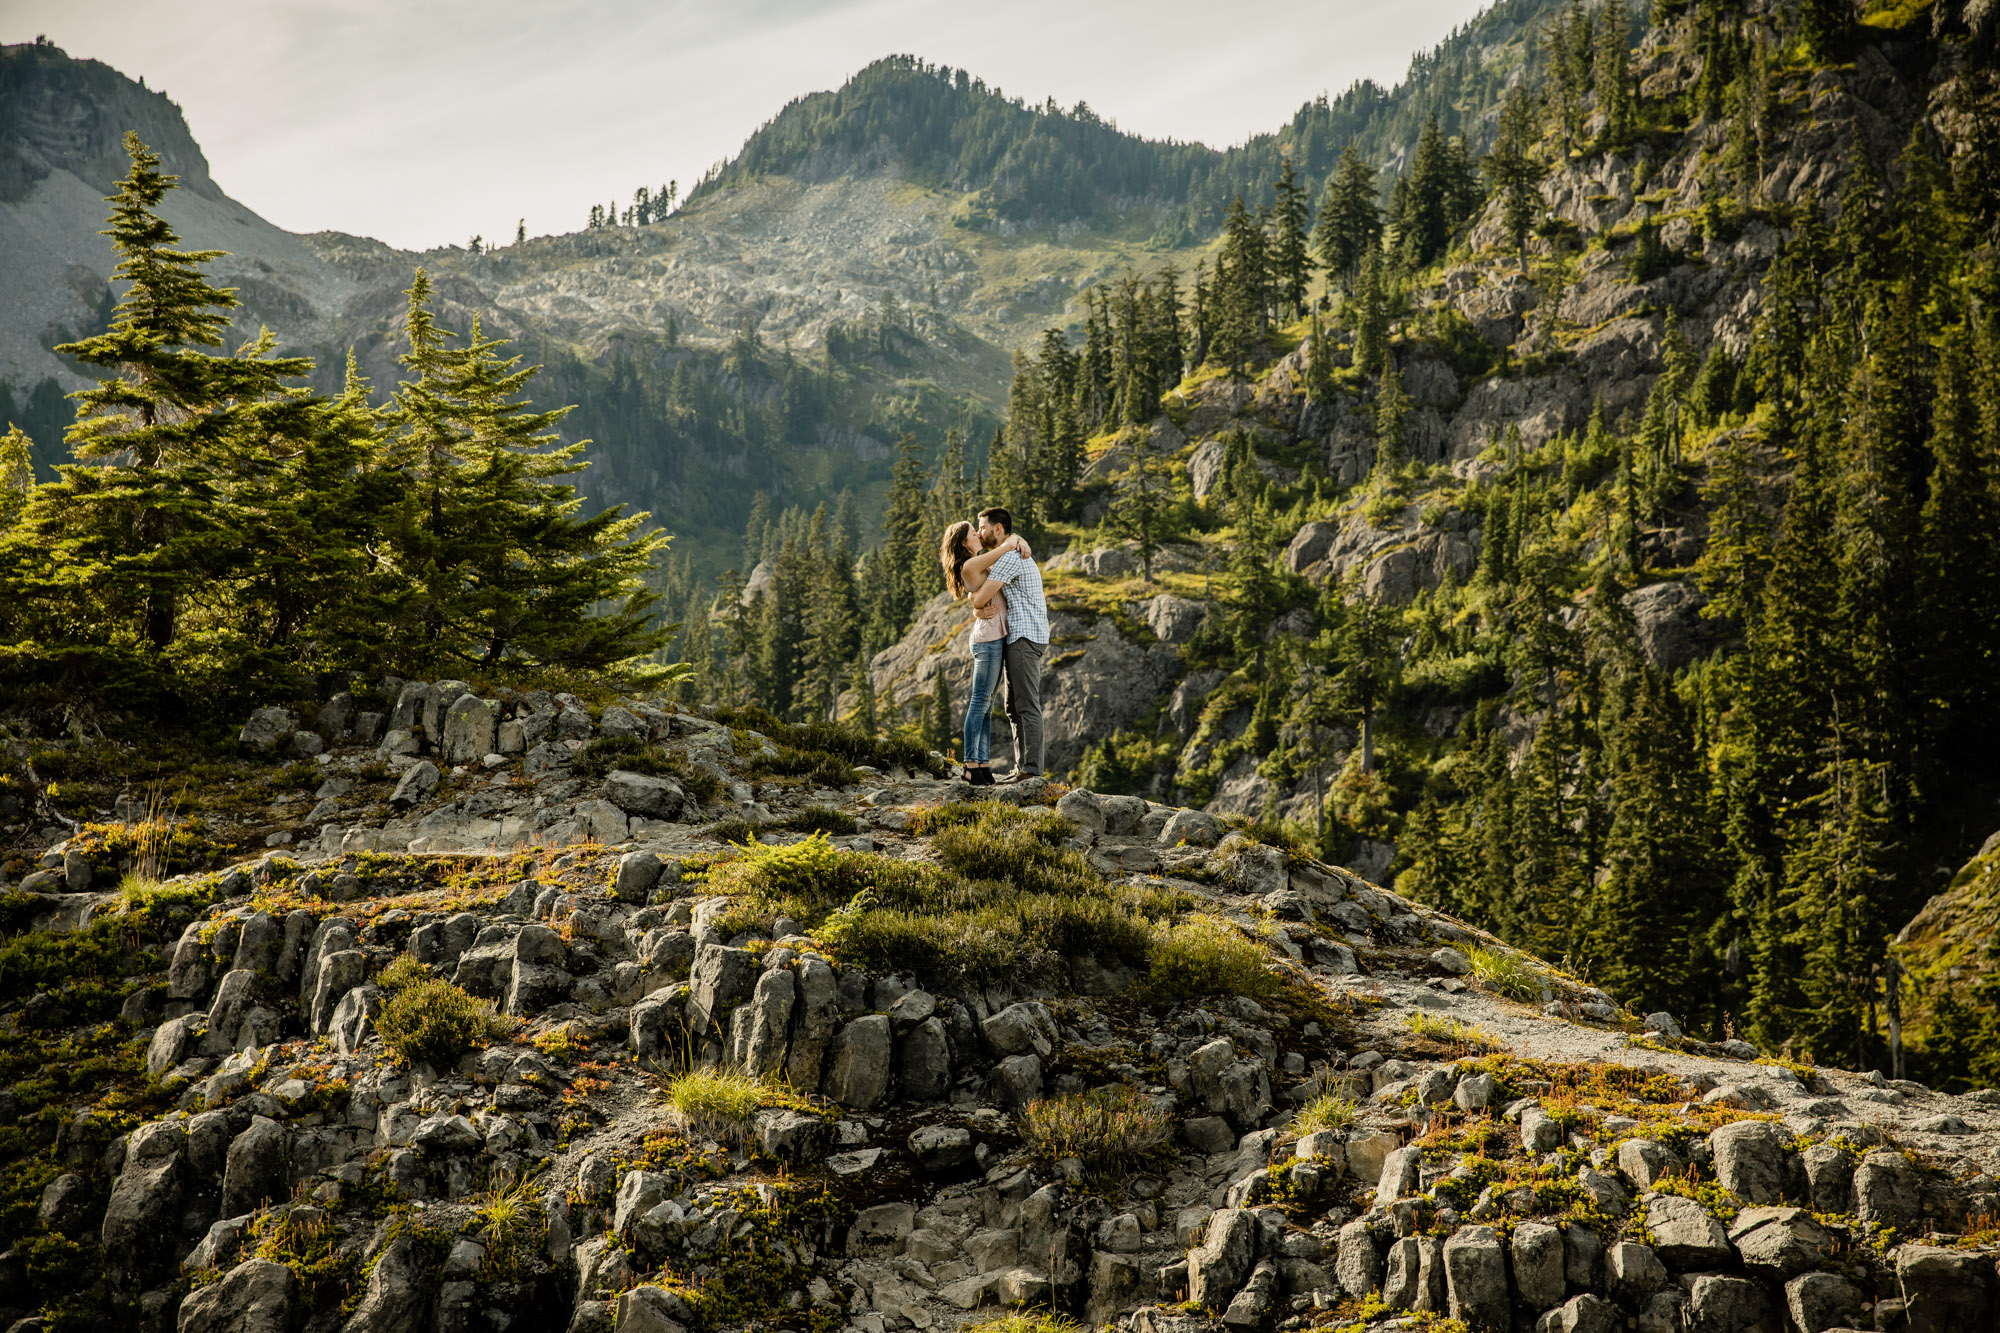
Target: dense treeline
[
  {"x": 1030, "y": 164},
  {"x": 1736, "y": 840},
  {"x": 953, "y": 131},
  {"x": 226, "y": 531}
]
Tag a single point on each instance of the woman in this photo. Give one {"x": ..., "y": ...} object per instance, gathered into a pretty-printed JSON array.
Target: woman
[{"x": 987, "y": 639}]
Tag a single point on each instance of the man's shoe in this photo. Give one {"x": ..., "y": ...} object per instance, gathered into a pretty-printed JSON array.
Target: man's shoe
[{"x": 1013, "y": 778}]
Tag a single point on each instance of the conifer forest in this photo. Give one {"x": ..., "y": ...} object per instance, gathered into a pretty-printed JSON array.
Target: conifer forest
[{"x": 1524, "y": 539}]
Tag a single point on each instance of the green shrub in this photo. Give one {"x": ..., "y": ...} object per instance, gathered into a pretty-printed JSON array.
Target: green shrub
[
  {"x": 1205, "y": 956},
  {"x": 312, "y": 1251},
  {"x": 818, "y": 766},
  {"x": 844, "y": 742},
  {"x": 1504, "y": 973},
  {"x": 939, "y": 921},
  {"x": 598, "y": 757},
  {"x": 435, "y": 1023},
  {"x": 403, "y": 972},
  {"x": 1107, "y": 1129}
]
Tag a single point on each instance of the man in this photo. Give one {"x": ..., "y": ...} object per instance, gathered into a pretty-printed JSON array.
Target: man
[{"x": 1020, "y": 581}]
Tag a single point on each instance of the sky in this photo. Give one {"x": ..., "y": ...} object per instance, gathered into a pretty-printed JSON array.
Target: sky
[{"x": 425, "y": 122}]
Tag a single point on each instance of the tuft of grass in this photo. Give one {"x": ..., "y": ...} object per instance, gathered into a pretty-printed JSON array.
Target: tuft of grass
[
  {"x": 434, "y": 1022},
  {"x": 510, "y": 1223},
  {"x": 1204, "y": 956},
  {"x": 1504, "y": 973},
  {"x": 717, "y": 1103},
  {"x": 1329, "y": 1110},
  {"x": 1462, "y": 1037},
  {"x": 1107, "y": 1129},
  {"x": 734, "y": 829},
  {"x": 1035, "y": 1321}
]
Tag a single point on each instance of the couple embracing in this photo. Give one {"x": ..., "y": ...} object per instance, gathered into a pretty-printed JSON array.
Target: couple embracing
[{"x": 993, "y": 568}]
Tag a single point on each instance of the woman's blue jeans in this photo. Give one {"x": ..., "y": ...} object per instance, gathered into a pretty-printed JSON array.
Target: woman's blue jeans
[{"x": 985, "y": 679}]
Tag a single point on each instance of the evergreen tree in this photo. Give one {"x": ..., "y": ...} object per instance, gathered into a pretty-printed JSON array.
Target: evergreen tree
[
  {"x": 179, "y": 425},
  {"x": 1139, "y": 511},
  {"x": 1959, "y": 579},
  {"x": 17, "y": 474},
  {"x": 1514, "y": 171},
  {"x": 1611, "y": 80},
  {"x": 756, "y": 528},
  {"x": 1370, "y": 315},
  {"x": 862, "y": 685},
  {"x": 1291, "y": 257},
  {"x": 1392, "y": 413},
  {"x": 1241, "y": 288},
  {"x": 1428, "y": 220},
  {"x": 904, "y": 546},
  {"x": 502, "y": 561},
  {"x": 1649, "y": 916},
  {"x": 1350, "y": 216},
  {"x": 1365, "y": 664}
]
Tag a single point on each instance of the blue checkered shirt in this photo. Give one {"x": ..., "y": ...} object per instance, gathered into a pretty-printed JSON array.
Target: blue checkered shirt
[{"x": 1020, "y": 582}]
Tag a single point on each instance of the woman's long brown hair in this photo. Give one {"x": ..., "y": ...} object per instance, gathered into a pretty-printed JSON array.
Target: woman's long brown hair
[{"x": 953, "y": 554}]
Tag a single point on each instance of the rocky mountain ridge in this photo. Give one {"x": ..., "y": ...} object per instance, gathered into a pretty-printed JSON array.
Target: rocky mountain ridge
[
  {"x": 863, "y": 246},
  {"x": 1388, "y": 1116}
]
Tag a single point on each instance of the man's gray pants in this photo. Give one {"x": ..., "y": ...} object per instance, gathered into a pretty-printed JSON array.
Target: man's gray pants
[{"x": 1022, "y": 660}]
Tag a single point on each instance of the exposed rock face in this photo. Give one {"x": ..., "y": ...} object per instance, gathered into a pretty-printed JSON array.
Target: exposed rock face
[
  {"x": 147, "y": 1194},
  {"x": 1094, "y": 678},
  {"x": 1392, "y": 564},
  {"x": 1672, "y": 631},
  {"x": 253, "y": 1297}
]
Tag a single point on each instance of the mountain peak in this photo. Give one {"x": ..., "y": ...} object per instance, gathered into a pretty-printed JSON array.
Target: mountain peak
[{"x": 64, "y": 114}]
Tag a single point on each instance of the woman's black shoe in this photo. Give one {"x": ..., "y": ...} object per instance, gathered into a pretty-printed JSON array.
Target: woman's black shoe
[{"x": 979, "y": 777}]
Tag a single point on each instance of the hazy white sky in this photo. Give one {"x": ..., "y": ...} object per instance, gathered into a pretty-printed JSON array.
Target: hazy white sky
[{"x": 422, "y": 122}]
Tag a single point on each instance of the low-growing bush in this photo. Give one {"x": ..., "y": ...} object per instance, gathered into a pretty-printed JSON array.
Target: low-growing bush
[
  {"x": 820, "y": 819},
  {"x": 402, "y": 972},
  {"x": 856, "y": 747},
  {"x": 434, "y": 1022},
  {"x": 1204, "y": 956},
  {"x": 598, "y": 757},
  {"x": 1107, "y": 1129},
  {"x": 818, "y": 766},
  {"x": 940, "y": 921}
]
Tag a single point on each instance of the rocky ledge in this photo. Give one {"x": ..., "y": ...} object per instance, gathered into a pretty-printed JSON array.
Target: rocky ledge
[{"x": 679, "y": 1106}]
